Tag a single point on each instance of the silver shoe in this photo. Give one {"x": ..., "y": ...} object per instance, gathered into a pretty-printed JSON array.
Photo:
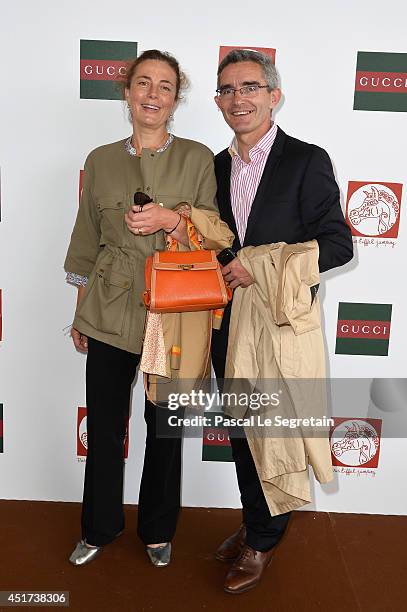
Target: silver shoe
[
  {"x": 160, "y": 556},
  {"x": 83, "y": 554}
]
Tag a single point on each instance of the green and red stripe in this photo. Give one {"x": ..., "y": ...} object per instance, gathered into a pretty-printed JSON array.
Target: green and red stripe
[
  {"x": 102, "y": 66},
  {"x": 216, "y": 445},
  {"x": 363, "y": 329},
  {"x": 381, "y": 82}
]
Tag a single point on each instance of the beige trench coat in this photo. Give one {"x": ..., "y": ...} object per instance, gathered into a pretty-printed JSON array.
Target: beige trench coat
[{"x": 275, "y": 335}]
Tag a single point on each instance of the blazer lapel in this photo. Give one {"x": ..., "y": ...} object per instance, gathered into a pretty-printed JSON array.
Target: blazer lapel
[
  {"x": 267, "y": 177},
  {"x": 223, "y": 172}
]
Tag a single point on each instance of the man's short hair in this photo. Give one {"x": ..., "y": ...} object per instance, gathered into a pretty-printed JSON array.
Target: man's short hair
[{"x": 248, "y": 55}]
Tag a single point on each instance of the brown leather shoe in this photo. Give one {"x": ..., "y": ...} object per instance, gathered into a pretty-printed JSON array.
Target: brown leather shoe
[
  {"x": 231, "y": 548},
  {"x": 247, "y": 570}
]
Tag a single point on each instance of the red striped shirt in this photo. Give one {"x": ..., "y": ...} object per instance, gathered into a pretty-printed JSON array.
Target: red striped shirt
[{"x": 245, "y": 178}]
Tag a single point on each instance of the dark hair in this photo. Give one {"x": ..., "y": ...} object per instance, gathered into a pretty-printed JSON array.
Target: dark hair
[
  {"x": 182, "y": 82},
  {"x": 248, "y": 55}
]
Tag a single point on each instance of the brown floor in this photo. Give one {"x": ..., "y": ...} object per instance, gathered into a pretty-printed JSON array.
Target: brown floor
[{"x": 328, "y": 562}]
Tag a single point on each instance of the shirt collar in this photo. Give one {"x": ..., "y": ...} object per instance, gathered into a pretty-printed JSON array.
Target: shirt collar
[{"x": 264, "y": 144}]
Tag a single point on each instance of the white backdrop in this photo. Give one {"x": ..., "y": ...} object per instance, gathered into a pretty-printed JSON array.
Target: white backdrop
[{"x": 46, "y": 133}]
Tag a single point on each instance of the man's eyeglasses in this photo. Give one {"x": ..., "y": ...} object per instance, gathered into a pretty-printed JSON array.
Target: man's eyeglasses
[{"x": 247, "y": 91}]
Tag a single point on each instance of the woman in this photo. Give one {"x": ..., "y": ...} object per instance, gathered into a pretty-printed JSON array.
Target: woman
[{"x": 106, "y": 260}]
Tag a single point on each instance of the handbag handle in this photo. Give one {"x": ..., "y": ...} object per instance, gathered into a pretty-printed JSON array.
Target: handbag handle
[{"x": 194, "y": 236}]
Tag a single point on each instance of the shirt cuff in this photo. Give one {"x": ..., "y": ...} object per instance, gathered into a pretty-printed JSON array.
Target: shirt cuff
[{"x": 76, "y": 279}]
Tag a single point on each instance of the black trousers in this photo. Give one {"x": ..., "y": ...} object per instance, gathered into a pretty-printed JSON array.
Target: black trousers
[
  {"x": 109, "y": 375},
  {"x": 263, "y": 530}
]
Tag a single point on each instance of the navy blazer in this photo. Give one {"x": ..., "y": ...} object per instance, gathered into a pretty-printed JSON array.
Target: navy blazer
[{"x": 297, "y": 200}]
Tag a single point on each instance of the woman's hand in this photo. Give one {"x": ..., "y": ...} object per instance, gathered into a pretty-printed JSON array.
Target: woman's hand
[
  {"x": 80, "y": 341},
  {"x": 151, "y": 219}
]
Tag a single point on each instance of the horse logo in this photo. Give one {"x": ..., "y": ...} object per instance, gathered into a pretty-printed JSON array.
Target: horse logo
[
  {"x": 373, "y": 210},
  {"x": 358, "y": 442},
  {"x": 82, "y": 445},
  {"x": 83, "y": 433}
]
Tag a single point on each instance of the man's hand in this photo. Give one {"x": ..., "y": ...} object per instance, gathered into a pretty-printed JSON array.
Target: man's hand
[
  {"x": 151, "y": 219},
  {"x": 80, "y": 341},
  {"x": 236, "y": 275}
]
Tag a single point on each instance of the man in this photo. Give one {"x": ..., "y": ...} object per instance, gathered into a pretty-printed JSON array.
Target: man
[{"x": 271, "y": 188}]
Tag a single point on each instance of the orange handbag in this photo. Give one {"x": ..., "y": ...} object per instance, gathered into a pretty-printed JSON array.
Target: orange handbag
[{"x": 184, "y": 281}]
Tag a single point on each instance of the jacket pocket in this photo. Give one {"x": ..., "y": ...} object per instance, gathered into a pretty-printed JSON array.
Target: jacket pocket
[
  {"x": 300, "y": 273},
  {"x": 112, "y": 225},
  {"x": 105, "y": 304},
  {"x": 305, "y": 315}
]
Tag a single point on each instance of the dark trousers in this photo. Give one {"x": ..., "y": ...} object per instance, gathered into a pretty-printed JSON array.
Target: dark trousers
[
  {"x": 263, "y": 530},
  {"x": 109, "y": 375}
]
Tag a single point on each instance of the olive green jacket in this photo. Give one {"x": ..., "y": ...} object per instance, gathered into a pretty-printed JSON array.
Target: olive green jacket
[{"x": 103, "y": 249}]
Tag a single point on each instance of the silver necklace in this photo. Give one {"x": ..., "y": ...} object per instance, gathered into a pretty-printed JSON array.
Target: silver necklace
[{"x": 132, "y": 151}]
